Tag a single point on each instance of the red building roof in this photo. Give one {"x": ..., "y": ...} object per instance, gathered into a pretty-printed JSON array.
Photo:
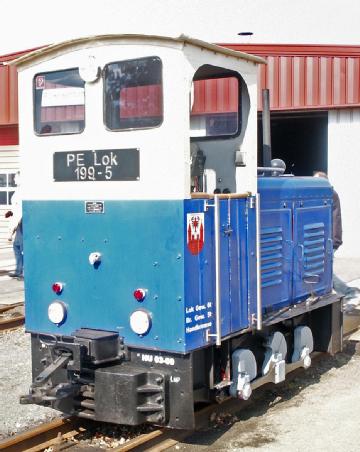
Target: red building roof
[
  {"x": 303, "y": 77},
  {"x": 9, "y": 90}
]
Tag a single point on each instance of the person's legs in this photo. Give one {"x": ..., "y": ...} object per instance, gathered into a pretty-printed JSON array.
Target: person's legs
[{"x": 18, "y": 251}]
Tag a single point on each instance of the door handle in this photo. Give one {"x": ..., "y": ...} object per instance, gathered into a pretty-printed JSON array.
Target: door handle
[{"x": 311, "y": 278}]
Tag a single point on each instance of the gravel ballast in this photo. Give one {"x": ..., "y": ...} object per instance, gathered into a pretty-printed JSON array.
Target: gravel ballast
[{"x": 15, "y": 380}]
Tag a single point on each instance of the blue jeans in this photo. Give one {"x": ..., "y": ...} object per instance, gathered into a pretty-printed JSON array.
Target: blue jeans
[{"x": 18, "y": 251}]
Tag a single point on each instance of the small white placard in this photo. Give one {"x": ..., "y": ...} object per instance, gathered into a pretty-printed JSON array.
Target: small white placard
[{"x": 62, "y": 97}]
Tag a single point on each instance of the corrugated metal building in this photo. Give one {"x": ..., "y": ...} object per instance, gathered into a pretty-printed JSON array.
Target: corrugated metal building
[
  {"x": 307, "y": 77},
  {"x": 315, "y": 103},
  {"x": 9, "y": 138}
]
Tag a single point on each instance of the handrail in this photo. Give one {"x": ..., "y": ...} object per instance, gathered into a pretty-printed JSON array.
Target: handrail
[
  {"x": 202, "y": 195},
  {"x": 258, "y": 266},
  {"x": 217, "y": 269}
]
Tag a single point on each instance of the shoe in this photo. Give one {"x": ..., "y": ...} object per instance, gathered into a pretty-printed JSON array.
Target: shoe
[
  {"x": 20, "y": 278},
  {"x": 14, "y": 275}
]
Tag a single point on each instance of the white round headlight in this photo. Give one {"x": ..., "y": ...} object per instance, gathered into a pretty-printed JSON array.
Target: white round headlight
[
  {"x": 140, "y": 321},
  {"x": 56, "y": 312}
]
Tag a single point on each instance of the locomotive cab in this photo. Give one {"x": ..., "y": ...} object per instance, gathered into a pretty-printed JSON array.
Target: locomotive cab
[{"x": 158, "y": 270}]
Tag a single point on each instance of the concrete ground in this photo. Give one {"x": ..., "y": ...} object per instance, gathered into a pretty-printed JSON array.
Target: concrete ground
[
  {"x": 348, "y": 270},
  {"x": 11, "y": 290},
  {"x": 317, "y": 411}
]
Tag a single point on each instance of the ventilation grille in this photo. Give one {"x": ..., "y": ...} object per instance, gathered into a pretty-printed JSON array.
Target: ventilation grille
[
  {"x": 314, "y": 249},
  {"x": 271, "y": 249}
]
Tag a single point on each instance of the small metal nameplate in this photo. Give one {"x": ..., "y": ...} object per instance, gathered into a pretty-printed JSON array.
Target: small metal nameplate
[{"x": 94, "y": 207}]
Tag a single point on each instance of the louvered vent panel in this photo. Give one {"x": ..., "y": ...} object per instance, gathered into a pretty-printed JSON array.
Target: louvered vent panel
[
  {"x": 271, "y": 249},
  {"x": 314, "y": 249}
]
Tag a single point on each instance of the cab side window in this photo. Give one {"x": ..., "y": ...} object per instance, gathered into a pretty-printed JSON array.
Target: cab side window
[{"x": 215, "y": 107}]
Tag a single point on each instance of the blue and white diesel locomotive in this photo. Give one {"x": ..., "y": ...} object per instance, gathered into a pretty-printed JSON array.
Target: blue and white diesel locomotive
[{"x": 161, "y": 270}]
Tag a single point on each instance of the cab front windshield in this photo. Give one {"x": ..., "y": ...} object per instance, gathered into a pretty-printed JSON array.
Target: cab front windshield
[
  {"x": 59, "y": 99},
  {"x": 133, "y": 94}
]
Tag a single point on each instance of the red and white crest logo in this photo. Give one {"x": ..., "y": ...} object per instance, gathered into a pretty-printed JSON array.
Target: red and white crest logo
[{"x": 195, "y": 232}]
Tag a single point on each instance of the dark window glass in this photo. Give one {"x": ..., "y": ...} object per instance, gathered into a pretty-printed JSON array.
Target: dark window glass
[
  {"x": 133, "y": 94},
  {"x": 10, "y": 195},
  {"x": 6, "y": 181},
  {"x": 11, "y": 180},
  {"x": 215, "y": 107},
  {"x": 59, "y": 99}
]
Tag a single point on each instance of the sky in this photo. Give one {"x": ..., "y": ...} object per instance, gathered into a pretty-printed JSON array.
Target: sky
[{"x": 26, "y": 24}]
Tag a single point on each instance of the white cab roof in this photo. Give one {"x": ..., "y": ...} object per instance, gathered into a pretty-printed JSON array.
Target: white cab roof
[{"x": 90, "y": 41}]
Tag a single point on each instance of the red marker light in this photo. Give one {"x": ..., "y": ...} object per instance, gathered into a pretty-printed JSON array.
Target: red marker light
[
  {"x": 57, "y": 287},
  {"x": 139, "y": 294}
]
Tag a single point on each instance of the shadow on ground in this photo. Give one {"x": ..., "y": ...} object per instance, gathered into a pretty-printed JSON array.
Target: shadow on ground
[{"x": 251, "y": 432}]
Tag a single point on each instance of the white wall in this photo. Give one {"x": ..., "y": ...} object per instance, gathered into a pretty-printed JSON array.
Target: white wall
[
  {"x": 9, "y": 162},
  {"x": 26, "y": 24},
  {"x": 343, "y": 169}
]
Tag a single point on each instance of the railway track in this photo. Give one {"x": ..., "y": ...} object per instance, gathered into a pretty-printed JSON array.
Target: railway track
[
  {"x": 8, "y": 307},
  {"x": 52, "y": 434},
  {"x": 12, "y": 321},
  {"x": 63, "y": 434}
]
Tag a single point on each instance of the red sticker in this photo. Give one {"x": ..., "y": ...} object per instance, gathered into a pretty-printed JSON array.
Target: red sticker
[
  {"x": 40, "y": 82},
  {"x": 195, "y": 232}
]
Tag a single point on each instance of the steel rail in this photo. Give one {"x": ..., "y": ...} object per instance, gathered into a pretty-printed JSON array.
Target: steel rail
[
  {"x": 11, "y": 323},
  {"x": 8, "y": 307},
  {"x": 53, "y": 433}
]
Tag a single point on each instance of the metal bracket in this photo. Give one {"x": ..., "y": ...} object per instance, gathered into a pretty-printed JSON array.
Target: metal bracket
[
  {"x": 59, "y": 362},
  {"x": 253, "y": 319},
  {"x": 280, "y": 371},
  {"x": 305, "y": 357},
  {"x": 227, "y": 230},
  {"x": 207, "y": 205},
  {"x": 208, "y": 335},
  {"x": 244, "y": 386},
  {"x": 223, "y": 384}
]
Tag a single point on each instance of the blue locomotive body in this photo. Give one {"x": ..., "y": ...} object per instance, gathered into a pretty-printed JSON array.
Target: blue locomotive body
[
  {"x": 160, "y": 269},
  {"x": 141, "y": 244},
  {"x": 296, "y": 239},
  {"x": 145, "y": 244}
]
